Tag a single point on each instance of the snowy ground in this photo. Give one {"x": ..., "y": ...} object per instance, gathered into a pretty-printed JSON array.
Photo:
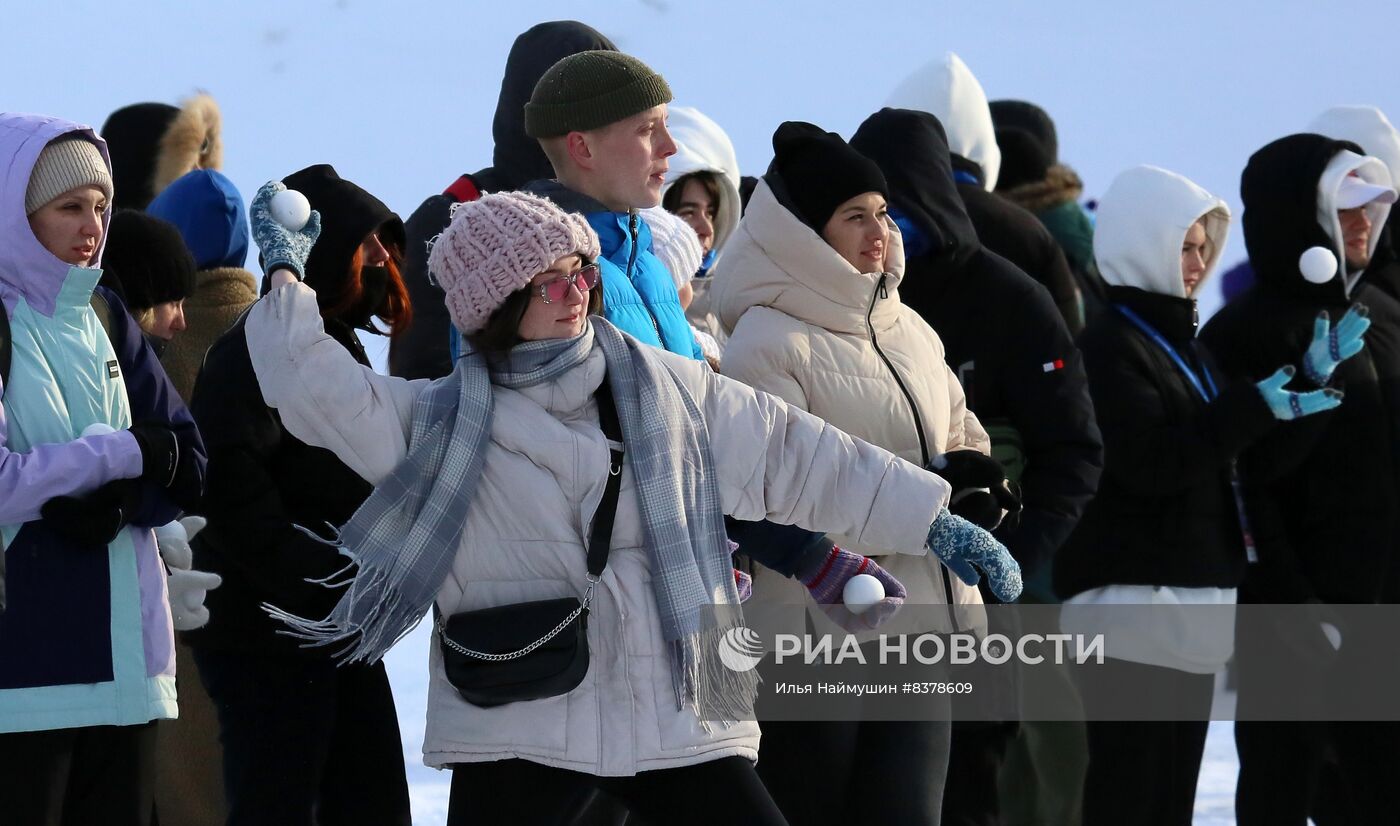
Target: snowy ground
[{"x": 407, "y": 663}]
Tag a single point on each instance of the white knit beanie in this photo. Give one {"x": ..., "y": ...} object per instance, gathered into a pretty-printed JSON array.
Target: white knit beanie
[
  {"x": 675, "y": 243},
  {"x": 495, "y": 245},
  {"x": 68, "y": 162}
]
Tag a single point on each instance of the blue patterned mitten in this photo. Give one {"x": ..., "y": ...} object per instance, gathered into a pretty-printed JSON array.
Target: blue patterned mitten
[
  {"x": 281, "y": 248},
  {"x": 964, "y": 548}
]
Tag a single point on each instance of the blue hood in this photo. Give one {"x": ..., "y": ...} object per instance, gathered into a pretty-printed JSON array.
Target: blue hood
[{"x": 209, "y": 211}]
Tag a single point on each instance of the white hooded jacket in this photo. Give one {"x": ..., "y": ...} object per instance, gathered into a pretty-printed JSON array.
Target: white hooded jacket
[
  {"x": 947, "y": 89},
  {"x": 702, "y": 146},
  {"x": 1142, "y": 222}
]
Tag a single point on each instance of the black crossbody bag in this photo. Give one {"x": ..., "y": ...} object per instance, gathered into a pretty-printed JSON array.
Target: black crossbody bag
[{"x": 534, "y": 650}]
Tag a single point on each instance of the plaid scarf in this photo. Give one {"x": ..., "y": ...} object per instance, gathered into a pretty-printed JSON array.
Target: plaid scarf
[{"x": 404, "y": 537}]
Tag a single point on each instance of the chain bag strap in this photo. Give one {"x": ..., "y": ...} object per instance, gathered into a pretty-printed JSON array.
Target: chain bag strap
[{"x": 533, "y": 650}]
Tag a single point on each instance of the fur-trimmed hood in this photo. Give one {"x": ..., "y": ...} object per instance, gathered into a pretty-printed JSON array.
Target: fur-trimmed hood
[
  {"x": 1060, "y": 185},
  {"x": 153, "y": 144}
]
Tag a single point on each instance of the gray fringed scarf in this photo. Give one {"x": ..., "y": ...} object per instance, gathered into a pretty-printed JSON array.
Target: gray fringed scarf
[{"x": 404, "y": 537}]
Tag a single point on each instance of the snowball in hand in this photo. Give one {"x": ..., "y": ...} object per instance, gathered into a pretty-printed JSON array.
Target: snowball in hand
[
  {"x": 1317, "y": 264},
  {"x": 861, "y": 593},
  {"x": 98, "y": 429},
  {"x": 290, "y": 209}
]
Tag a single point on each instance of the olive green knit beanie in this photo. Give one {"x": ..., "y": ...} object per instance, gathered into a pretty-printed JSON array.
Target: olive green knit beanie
[{"x": 589, "y": 90}]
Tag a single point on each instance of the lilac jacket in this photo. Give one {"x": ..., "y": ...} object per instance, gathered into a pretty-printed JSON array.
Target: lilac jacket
[{"x": 86, "y": 636}]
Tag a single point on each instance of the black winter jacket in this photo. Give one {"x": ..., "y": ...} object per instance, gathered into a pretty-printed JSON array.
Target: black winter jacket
[
  {"x": 1165, "y": 511},
  {"x": 423, "y": 351},
  {"x": 1001, "y": 332},
  {"x": 1323, "y": 490},
  {"x": 1017, "y": 235},
  {"x": 263, "y": 482}
]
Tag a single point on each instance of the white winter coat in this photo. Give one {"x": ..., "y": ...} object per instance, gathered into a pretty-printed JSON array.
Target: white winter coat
[
  {"x": 544, "y": 473},
  {"x": 808, "y": 327}
]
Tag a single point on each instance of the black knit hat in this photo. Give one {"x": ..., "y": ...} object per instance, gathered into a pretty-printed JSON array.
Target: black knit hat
[
  {"x": 1023, "y": 114},
  {"x": 590, "y": 90},
  {"x": 1024, "y": 158},
  {"x": 348, "y": 215},
  {"x": 146, "y": 261},
  {"x": 820, "y": 172},
  {"x": 133, "y": 136}
]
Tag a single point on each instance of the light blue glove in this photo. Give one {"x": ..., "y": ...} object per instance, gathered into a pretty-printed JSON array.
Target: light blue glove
[
  {"x": 281, "y": 247},
  {"x": 962, "y": 545},
  {"x": 1333, "y": 345},
  {"x": 1287, "y": 405}
]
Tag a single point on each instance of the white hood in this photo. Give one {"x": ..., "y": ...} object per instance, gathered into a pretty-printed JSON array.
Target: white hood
[
  {"x": 1142, "y": 222},
  {"x": 947, "y": 89},
  {"x": 701, "y": 146},
  {"x": 1365, "y": 126},
  {"x": 1372, "y": 171}
]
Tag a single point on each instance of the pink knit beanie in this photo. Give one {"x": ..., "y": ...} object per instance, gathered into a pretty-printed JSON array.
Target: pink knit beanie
[{"x": 495, "y": 245}]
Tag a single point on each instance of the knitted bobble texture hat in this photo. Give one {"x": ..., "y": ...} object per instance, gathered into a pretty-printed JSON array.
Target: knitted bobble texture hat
[
  {"x": 590, "y": 90},
  {"x": 675, "y": 243},
  {"x": 495, "y": 245},
  {"x": 66, "y": 163}
]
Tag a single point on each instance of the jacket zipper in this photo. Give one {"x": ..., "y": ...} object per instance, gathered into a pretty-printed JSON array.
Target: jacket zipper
[
  {"x": 881, "y": 292},
  {"x": 632, "y": 259}
]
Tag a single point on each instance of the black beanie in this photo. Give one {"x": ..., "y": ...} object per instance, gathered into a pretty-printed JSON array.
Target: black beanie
[
  {"x": 820, "y": 172},
  {"x": 1025, "y": 115},
  {"x": 146, "y": 261},
  {"x": 348, "y": 215},
  {"x": 1024, "y": 158},
  {"x": 133, "y": 136}
]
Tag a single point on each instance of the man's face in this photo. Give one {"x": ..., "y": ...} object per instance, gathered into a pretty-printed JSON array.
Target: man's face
[
  {"x": 1356, "y": 236},
  {"x": 629, "y": 159}
]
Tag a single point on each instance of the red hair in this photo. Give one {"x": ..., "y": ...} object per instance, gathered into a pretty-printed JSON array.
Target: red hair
[{"x": 346, "y": 297}]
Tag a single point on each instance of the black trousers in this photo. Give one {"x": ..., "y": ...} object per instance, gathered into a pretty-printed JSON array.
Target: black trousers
[
  {"x": 846, "y": 772},
  {"x": 306, "y": 743},
  {"x": 1144, "y": 773},
  {"x": 972, "y": 794},
  {"x": 78, "y": 776},
  {"x": 1282, "y": 771},
  {"x": 518, "y": 792}
]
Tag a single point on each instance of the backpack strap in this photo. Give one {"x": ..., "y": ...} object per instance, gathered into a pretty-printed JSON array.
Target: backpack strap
[{"x": 104, "y": 313}]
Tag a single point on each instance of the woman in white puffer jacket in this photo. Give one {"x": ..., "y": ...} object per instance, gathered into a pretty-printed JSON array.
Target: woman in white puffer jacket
[
  {"x": 487, "y": 480},
  {"x": 808, "y": 290}
]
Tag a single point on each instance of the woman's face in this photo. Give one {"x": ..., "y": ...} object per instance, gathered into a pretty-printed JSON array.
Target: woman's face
[
  {"x": 70, "y": 226},
  {"x": 699, "y": 210},
  {"x": 562, "y": 316},
  {"x": 372, "y": 251},
  {"x": 1195, "y": 252},
  {"x": 858, "y": 232},
  {"x": 167, "y": 319}
]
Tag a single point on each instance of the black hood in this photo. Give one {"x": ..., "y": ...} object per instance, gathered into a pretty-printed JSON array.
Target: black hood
[
  {"x": 518, "y": 157},
  {"x": 348, "y": 215},
  {"x": 911, "y": 148},
  {"x": 1279, "y": 191}
]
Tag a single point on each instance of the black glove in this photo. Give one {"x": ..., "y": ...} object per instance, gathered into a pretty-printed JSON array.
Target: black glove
[
  {"x": 165, "y": 464},
  {"x": 981, "y": 490},
  {"x": 93, "y": 519}
]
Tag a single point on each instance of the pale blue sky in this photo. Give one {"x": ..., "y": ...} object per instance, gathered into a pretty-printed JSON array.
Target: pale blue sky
[{"x": 400, "y": 96}]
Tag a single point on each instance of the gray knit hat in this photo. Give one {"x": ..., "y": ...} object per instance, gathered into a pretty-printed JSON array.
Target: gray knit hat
[
  {"x": 590, "y": 90},
  {"x": 66, "y": 163}
]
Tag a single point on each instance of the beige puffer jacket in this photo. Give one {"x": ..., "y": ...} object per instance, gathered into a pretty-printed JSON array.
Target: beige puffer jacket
[
  {"x": 808, "y": 327},
  {"x": 543, "y": 477}
]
